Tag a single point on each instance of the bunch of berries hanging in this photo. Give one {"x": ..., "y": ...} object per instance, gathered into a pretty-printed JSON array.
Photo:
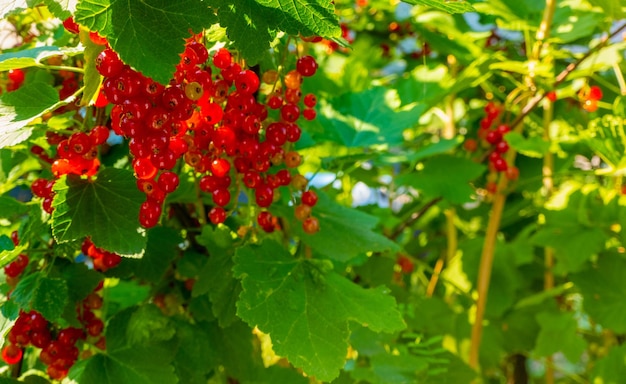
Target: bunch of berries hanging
[{"x": 209, "y": 117}]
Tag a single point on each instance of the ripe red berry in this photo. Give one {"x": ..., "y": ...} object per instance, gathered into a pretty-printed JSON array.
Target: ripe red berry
[
  {"x": 220, "y": 167},
  {"x": 310, "y": 100},
  {"x": 12, "y": 354},
  {"x": 221, "y": 196},
  {"x": 247, "y": 81},
  {"x": 306, "y": 65},
  {"x": 108, "y": 63},
  {"x": 217, "y": 215},
  {"x": 493, "y": 137},
  {"x": 16, "y": 76},
  {"x": 309, "y": 198},
  {"x": 168, "y": 181},
  {"x": 264, "y": 195},
  {"x": 595, "y": 93},
  {"x": 222, "y": 58}
]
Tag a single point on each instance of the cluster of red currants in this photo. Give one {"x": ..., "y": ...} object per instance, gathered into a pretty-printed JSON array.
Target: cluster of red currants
[
  {"x": 491, "y": 136},
  {"x": 102, "y": 260},
  {"x": 59, "y": 349},
  {"x": 14, "y": 269},
  {"x": 213, "y": 122}
]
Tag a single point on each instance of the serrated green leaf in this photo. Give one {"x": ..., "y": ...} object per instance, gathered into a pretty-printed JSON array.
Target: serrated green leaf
[
  {"x": 446, "y": 176},
  {"x": 147, "y": 324},
  {"x": 573, "y": 242},
  {"x": 197, "y": 354},
  {"x": 450, "y": 6},
  {"x": 305, "y": 310},
  {"x": 561, "y": 327},
  {"x": 148, "y": 35},
  {"x": 307, "y": 18},
  {"x": 603, "y": 288},
  {"x": 50, "y": 297},
  {"x": 81, "y": 281},
  {"x": 20, "y": 107},
  {"x": 531, "y": 147},
  {"x": 162, "y": 247},
  {"x": 250, "y": 33},
  {"x": 350, "y": 231},
  {"x": 145, "y": 363},
  {"x": 106, "y": 209},
  {"x": 61, "y": 8},
  {"x": 216, "y": 277},
  {"x": 127, "y": 293},
  {"x": 367, "y": 118},
  {"x": 7, "y": 256},
  {"x": 41, "y": 293}
]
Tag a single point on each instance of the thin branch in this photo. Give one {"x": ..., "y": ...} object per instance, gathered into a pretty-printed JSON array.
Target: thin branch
[
  {"x": 563, "y": 75},
  {"x": 414, "y": 218}
]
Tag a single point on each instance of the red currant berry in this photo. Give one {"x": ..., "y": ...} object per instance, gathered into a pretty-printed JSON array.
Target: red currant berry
[
  {"x": 168, "y": 181},
  {"x": 247, "y": 82},
  {"x": 221, "y": 197},
  {"x": 12, "y": 354},
  {"x": 310, "y": 100},
  {"x": 306, "y": 65},
  {"x": 217, "y": 215},
  {"x": 264, "y": 195},
  {"x": 309, "y": 198}
]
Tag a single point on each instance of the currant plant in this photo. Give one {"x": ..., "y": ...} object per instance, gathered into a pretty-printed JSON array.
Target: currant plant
[{"x": 316, "y": 192}]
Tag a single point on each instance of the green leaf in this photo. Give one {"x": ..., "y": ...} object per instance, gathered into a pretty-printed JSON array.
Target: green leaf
[
  {"x": 8, "y": 255},
  {"x": 454, "y": 6},
  {"x": 216, "y": 277},
  {"x": 91, "y": 76},
  {"x": 147, "y": 324},
  {"x": 20, "y": 107},
  {"x": 573, "y": 242},
  {"x": 11, "y": 208},
  {"x": 124, "y": 362},
  {"x": 250, "y": 33},
  {"x": 306, "y": 310},
  {"x": 106, "y": 209},
  {"x": 161, "y": 249},
  {"x": 603, "y": 288},
  {"x": 81, "y": 280},
  {"x": 531, "y": 147},
  {"x": 28, "y": 57},
  {"x": 367, "y": 118},
  {"x": 194, "y": 360},
  {"x": 61, "y": 8},
  {"x": 148, "y": 35},
  {"x": 610, "y": 369},
  {"x": 612, "y": 9},
  {"x": 43, "y": 294},
  {"x": 446, "y": 176},
  {"x": 350, "y": 231},
  {"x": 561, "y": 327},
  {"x": 307, "y": 18}
]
